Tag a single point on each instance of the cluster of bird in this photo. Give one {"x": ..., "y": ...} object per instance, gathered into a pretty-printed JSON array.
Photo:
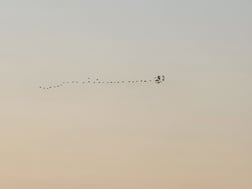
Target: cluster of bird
[{"x": 158, "y": 80}]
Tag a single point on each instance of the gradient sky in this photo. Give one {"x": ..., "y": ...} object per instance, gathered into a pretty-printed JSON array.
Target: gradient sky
[{"x": 192, "y": 132}]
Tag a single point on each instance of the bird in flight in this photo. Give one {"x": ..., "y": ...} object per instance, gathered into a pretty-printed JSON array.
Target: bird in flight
[{"x": 158, "y": 80}]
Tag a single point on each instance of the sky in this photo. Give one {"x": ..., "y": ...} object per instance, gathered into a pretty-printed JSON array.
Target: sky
[{"x": 191, "y": 132}]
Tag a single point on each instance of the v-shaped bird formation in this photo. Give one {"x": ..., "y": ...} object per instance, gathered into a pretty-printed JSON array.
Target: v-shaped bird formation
[{"x": 157, "y": 80}]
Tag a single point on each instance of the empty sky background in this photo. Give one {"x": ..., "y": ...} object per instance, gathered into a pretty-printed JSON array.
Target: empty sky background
[{"x": 192, "y": 132}]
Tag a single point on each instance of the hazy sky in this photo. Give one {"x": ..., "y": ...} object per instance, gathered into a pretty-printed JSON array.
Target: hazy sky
[{"x": 192, "y": 132}]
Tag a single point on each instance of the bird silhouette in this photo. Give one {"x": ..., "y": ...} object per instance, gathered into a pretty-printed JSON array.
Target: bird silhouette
[{"x": 158, "y": 79}]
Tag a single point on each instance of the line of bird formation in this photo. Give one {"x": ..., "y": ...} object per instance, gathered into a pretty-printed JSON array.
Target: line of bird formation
[{"x": 157, "y": 80}]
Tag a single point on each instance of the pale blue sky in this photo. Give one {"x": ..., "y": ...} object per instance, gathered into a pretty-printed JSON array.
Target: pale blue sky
[
  {"x": 175, "y": 32},
  {"x": 195, "y": 127}
]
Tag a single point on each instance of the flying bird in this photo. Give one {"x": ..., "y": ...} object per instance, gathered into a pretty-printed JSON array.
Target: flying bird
[{"x": 158, "y": 79}]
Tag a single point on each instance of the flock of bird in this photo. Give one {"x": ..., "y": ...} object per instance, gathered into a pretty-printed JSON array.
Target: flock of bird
[{"x": 158, "y": 80}]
